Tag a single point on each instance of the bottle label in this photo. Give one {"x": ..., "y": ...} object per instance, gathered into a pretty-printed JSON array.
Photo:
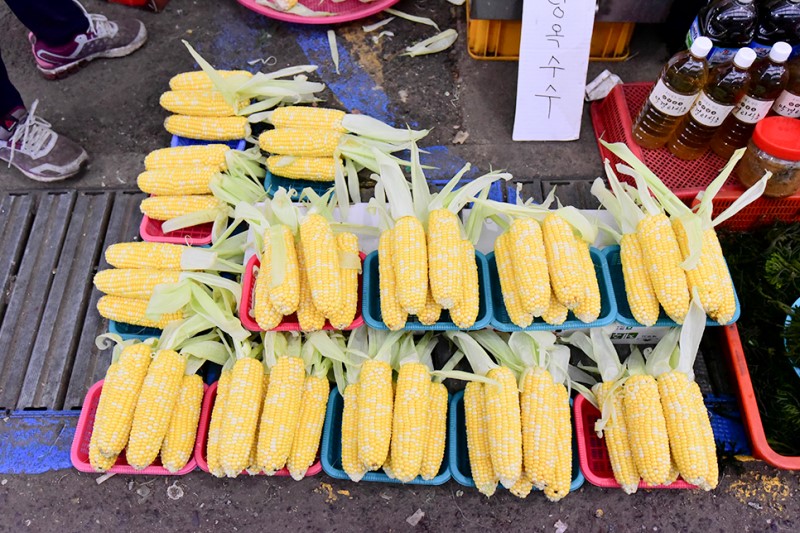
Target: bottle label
[
  {"x": 669, "y": 102},
  {"x": 750, "y": 110},
  {"x": 787, "y": 105},
  {"x": 709, "y": 113}
]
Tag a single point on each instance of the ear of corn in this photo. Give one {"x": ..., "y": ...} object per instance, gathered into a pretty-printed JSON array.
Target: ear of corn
[
  {"x": 303, "y": 168},
  {"x": 266, "y": 315},
  {"x": 430, "y": 314},
  {"x": 242, "y": 404},
  {"x": 312, "y": 417},
  {"x": 307, "y": 118},
  {"x": 530, "y": 265},
  {"x": 392, "y": 314},
  {"x": 177, "y": 181},
  {"x": 286, "y": 296},
  {"x": 436, "y": 432},
  {"x": 727, "y": 298},
  {"x": 662, "y": 256},
  {"x": 638, "y": 287},
  {"x": 309, "y": 318},
  {"x": 522, "y": 487},
  {"x": 410, "y": 255},
  {"x": 537, "y": 406},
  {"x": 322, "y": 263},
  {"x": 480, "y": 459},
  {"x": 589, "y": 306},
  {"x": 167, "y": 207},
  {"x": 647, "y": 429},
  {"x": 213, "y": 446},
  {"x": 410, "y": 422},
  {"x": 615, "y": 435},
  {"x": 98, "y": 461},
  {"x": 465, "y": 312},
  {"x": 505, "y": 429},
  {"x": 567, "y": 270},
  {"x": 133, "y": 283},
  {"x": 444, "y": 256},
  {"x": 147, "y": 255},
  {"x": 375, "y": 406},
  {"x": 556, "y": 313},
  {"x": 199, "y": 80},
  {"x": 508, "y": 282},
  {"x": 558, "y": 486},
  {"x": 182, "y": 431},
  {"x": 198, "y": 103},
  {"x": 347, "y": 245},
  {"x": 254, "y": 468},
  {"x": 208, "y": 128},
  {"x": 301, "y": 143},
  {"x": 180, "y": 157},
  {"x": 131, "y": 311},
  {"x": 350, "y": 463}
]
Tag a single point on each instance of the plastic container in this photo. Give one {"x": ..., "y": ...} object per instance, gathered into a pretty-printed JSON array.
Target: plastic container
[
  {"x": 372, "y": 300},
  {"x": 129, "y": 331},
  {"x": 774, "y": 147},
  {"x": 151, "y": 231},
  {"x": 177, "y": 140},
  {"x": 760, "y": 213},
  {"x": 778, "y": 20},
  {"x": 729, "y": 23},
  {"x": 331, "y": 453},
  {"x": 624, "y": 315},
  {"x": 608, "y": 309},
  {"x": 342, "y": 11},
  {"x": 79, "y": 453},
  {"x": 272, "y": 183},
  {"x": 788, "y": 103},
  {"x": 202, "y": 438},
  {"x": 290, "y": 322},
  {"x": 459, "y": 455},
  {"x": 788, "y": 321}
]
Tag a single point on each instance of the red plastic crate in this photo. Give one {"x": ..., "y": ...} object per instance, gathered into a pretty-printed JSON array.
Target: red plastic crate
[
  {"x": 150, "y": 230},
  {"x": 79, "y": 453},
  {"x": 290, "y": 322},
  {"x": 593, "y": 454},
  {"x": 202, "y": 438}
]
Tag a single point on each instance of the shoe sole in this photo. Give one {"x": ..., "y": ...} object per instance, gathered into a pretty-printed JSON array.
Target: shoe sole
[
  {"x": 49, "y": 179},
  {"x": 69, "y": 68}
]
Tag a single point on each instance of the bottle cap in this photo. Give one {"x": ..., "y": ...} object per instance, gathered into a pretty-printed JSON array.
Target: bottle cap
[
  {"x": 701, "y": 47},
  {"x": 779, "y": 136},
  {"x": 745, "y": 57},
  {"x": 780, "y": 52}
]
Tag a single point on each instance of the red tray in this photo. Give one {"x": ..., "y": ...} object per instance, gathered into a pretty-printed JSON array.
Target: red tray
[
  {"x": 150, "y": 230},
  {"x": 290, "y": 322},
  {"x": 202, "y": 440},
  {"x": 343, "y": 10},
  {"x": 79, "y": 453},
  {"x": 593, "y": 454}
]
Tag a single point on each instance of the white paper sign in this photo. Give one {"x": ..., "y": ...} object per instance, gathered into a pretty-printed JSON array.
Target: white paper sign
[{"x": 553, "y": 59}]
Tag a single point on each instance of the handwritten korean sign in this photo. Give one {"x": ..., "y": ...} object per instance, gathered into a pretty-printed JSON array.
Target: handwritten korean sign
[{"x": 554, "y": 57}]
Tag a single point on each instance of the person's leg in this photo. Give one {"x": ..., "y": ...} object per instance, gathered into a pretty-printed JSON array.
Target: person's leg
[
  {"x": 55, "y": 22},
  {"x": 10, "y": 99}
]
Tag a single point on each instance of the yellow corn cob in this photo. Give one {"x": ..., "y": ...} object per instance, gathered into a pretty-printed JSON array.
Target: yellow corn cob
[
  {"x": 615, "y": 434},
  {"x": 312, "y": 416},
  {"x": 286, "y": 296},
  {"x": 436, "y": 432},
  {"x": 299, "y": 142},
  {"x": 167, "y": 207},
  {"x": 707, "y": 434},
  {"x": 641, "y": 296},
  {"x": 444, "y": 255},
  {"x": 705, "y": 277},
  {"x": 505, "y": 426},
  {"x": 242, "y": 404},
  {"x": 112, "y": 424},
  {"x": 157, "y": 399},
  {"x": 522, "y": 487},
  {"x": 214, "y": 445},
  {"x": 431, "y": 312},
  {"x": 465, "y": 312},
  {"x": 647, "y": 429},
  {"x": 196, "y": 80},
  {"x": 392, "y": 314},
  {"x": 350, "y": 463},
  {"x": 133, "y": 283},
  {"x": 152, "y": 255},
  {"x": 409, "y": 252},
  {"x": 480, "y": 457},
  {"x": 253, "y": 468},
  {"x": 530, "y": 265},
  {"x": 375, "y": 407},
  {"x": 508, "y": 282},
  {"x": 182, "y": 432},
  {"x": 208, "y": 128},
  {"x": 537, "y": 406},
  {"x": 309, "y": 318},
  {"x": 100, "y": 462},
  {"x": 281, "y": 414},
  {"x": 558, "y": 486},
  {"x": 567, "y": 270},
  {"x": 322, "y": 263},
  {"x": 727, "y": 306},
  {"x": 387, "y": 466},
  {"x": 177, "y": 181},
  {"x": 410, "y": 422},
  {"x": 179, "y": 157},
  {"x": 347, "y": 246},
  {"x": 307, "y": 118},
  {"x": 589, "y": 306},
  {"x": 556, "y": 313},
  {"x": 267, "y": 317},
  {"x": 662, "y": 258},
  {"x": 198, "y": 103},
  {"x": 131, "y": 311},
  {"x": 303, "y": 168}
]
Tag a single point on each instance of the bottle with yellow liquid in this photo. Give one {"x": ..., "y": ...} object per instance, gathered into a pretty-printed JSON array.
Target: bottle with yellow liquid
[
  {"x": 727, "y": 84},
  {"x": 769, "y": 79},
  {"x": 673, "y": 95}
]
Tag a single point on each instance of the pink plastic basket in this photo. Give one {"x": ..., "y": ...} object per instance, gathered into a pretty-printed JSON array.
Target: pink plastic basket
[
  {"x": 593, "y": 454},
  {"x": 150, "y": 230},
  {"x": 202, "y": 438},
  {"x": 344, "y": 11},
  {"x": 290, "y": 323},
  {"x": 79, "y": 453}
]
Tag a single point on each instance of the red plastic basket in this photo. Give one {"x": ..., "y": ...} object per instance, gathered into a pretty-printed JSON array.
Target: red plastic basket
[
  {"x": 593, "y": 454},
  {"x": 79, "y": 453},
  {"x": 289, "y": 323},
  {"x": 150, "y": 230},
  {"x": 732, "y": 347},
  {"x": 343, "y": 10},
  {"x": 202, "y": 438}
]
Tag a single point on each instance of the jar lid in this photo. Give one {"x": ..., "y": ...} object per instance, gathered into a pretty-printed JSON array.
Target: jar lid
[{"x": 779, "y": 136}]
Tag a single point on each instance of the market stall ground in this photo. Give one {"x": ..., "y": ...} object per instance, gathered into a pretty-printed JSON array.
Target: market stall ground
[{"x": 52, "y": 239}]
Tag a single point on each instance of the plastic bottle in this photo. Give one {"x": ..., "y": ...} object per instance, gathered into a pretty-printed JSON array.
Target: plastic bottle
[
  {"x": 769, "y": 79},
  {"x": 778, "y": 20},
  {"x": 788, "y": 103},
  {"x": 727, "y": 84},
  {"x": 729, "y": 23},
  {"x": 680, "y": 81}
]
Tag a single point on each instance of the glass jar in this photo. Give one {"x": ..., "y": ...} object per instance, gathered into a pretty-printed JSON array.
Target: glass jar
[{"x": 774, "y": 147}]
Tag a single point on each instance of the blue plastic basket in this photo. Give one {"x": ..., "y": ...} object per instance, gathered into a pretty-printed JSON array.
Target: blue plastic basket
[
  {"x": 372, "y": 301},
  {"x": 129, "y": 331},
  {"x": 331, "y": 453},
  {"x": 459, "y": 456},
  {"x": 272, "y": 183},
  {"x": 608, "y": 309},
  {"x": 624, "y": 315},
  {"x": 726, "y": 422},
  {"x": 184, "y": 141}
]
